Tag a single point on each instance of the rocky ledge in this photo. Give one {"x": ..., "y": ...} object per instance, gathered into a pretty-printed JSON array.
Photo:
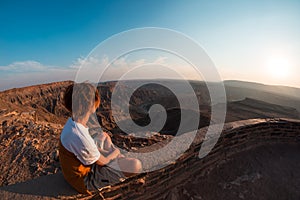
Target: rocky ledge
[{"x": 176, "y": 180}]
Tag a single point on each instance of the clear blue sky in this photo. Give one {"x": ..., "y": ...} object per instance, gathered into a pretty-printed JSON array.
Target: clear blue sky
[{"x": 241, "y": 37}]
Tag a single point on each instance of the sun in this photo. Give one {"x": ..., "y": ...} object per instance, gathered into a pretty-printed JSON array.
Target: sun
[{"x": 278, "y": 67}]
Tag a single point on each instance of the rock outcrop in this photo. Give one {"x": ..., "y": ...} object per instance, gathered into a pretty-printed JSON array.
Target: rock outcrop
[
  {"x": 178, "y": 180},
  {"x": 237, "y": 137}
]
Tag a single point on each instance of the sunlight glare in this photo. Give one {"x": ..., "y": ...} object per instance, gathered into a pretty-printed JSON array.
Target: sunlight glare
[{"x": 278, "y": 67}]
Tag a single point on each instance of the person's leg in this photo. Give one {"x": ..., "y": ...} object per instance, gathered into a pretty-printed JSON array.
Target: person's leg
[
  {"x": 101, "y": 176},
  {"x": 130, "y": 166}
]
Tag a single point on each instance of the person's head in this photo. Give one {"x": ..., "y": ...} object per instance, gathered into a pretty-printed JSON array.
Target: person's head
[{"x": 81, "y": 99}]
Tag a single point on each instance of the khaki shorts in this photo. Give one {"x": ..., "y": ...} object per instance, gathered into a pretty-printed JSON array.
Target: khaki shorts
[{"x": 101, "y": 176}]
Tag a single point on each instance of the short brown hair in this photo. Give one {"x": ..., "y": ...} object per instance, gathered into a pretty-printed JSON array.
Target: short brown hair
[{"x": 80, "y": 97}]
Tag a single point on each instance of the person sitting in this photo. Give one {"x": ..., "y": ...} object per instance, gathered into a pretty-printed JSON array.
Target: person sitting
[{"x": 84, "y": 165}]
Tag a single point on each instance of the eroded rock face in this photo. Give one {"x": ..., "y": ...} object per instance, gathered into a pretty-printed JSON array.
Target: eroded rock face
[{"x": 45, "y": 100}]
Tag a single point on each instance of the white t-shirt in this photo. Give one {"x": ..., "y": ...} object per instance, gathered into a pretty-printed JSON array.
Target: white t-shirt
[{"x": 76, "y": 139}]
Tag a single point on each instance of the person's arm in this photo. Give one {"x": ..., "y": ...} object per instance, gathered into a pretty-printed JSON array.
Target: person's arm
[
  {"x": 104, "y": 145},
  {"x": 103, "y": 152},
  {"x": 104, "y": 160},
  {"x": 108, "y": 145}
]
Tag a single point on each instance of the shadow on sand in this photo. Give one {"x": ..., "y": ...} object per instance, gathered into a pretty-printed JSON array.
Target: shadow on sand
[{"x": 52, "y": 185}]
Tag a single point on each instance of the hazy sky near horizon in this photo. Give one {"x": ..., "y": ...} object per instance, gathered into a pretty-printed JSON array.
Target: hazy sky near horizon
[{"x": 44, "y": 41}]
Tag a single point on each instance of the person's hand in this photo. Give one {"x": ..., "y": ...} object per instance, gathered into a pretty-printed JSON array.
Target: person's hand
[
  {"x": 105, "y": 134},
  {"x": 118, "y": 152},
  {"x": 121, "y": 156}
]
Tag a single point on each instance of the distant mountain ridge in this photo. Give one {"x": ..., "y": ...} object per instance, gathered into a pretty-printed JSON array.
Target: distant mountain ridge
[
  {"x": 276, "y": 89},
  {"x": 46, "y": 99},
  {"x": 280, "y": 95},
  {"x": 251, "y": 108}
]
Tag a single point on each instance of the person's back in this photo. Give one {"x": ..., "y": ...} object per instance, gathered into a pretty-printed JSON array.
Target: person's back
[
  {"x": 83, "y": 166},
  {"x": 74, "y": 159}
]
